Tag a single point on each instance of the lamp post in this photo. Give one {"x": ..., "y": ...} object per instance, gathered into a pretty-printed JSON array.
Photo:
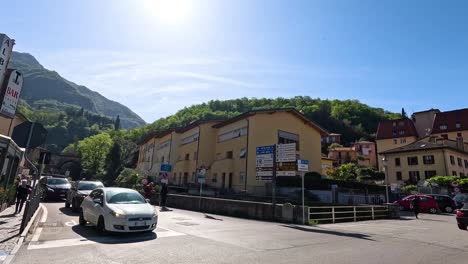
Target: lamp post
[{"x": 385, "y": 164}]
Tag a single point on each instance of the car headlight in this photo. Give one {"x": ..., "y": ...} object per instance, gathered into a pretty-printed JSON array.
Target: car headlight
[
  {"x": 119, "y": 215},
  {"x": 50, "y": 189}
]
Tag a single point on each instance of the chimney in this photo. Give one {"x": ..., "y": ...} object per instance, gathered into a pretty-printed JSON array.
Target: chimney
[{"x": 460, "y": 144}]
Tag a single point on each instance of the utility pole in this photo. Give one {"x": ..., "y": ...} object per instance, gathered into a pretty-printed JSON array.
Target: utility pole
[{"x": 273, "y": 180}]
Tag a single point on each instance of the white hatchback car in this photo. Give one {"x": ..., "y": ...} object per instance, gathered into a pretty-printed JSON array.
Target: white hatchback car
[{"x": 118, "y": 210}]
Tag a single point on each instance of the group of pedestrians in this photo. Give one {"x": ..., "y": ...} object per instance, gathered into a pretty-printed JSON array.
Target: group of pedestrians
[{"x": 149, "y": 190}]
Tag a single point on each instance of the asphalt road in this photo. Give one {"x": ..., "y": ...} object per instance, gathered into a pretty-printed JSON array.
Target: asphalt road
[{"x": 191, "y": 237}]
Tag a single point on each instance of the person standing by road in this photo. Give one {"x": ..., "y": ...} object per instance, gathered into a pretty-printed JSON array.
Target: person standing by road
[
  {"x": 415, "y": 206},
  {"x": 164, "y": 191},
  {"x": 22, "y": 192}
]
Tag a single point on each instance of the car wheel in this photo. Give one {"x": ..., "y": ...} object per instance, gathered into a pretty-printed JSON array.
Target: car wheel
[
  {"x": 462, "y": 226},
  {"x": 449, "y": 209},
  {"x": 82, "y": 220},
  {"x": 67, "y": 204},
  {"x": 100, "y": 227},
  {"x": 433, "y": 210},
  {"x": 74, "y": 207}
]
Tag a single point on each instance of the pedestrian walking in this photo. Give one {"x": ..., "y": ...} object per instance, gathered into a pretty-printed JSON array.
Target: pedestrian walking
[
  {"x": 148, "y": 188},
  {"x": 22, "y": 192},
  {"x": 163, "y": 201},
  {"x": 415, "y": 205}
]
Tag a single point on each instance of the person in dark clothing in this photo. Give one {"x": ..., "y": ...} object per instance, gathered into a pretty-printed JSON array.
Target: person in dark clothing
[
  {"x": 416, "y": 206},
  {"x": 22, "y": 192},
  {"x": 164, "y": 191}
]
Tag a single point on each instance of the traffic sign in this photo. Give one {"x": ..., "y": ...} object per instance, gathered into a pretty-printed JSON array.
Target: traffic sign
[
  {"x": 303, "y": 165},
  {"x": 164, "y": 177},
  {"x": 201, "y": 175},
  {"x": 264, "y": 163},
  {"x": 166, "y": 167},
  {"x": 454, "y": 184},
  {"x": 286, "y": 152}
]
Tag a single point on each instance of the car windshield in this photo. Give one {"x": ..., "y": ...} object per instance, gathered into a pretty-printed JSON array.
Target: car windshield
[
  {"x": 124, "y": 197},
  {"x": 56, "y": 181},
  {"x": 89, "y": 186}
]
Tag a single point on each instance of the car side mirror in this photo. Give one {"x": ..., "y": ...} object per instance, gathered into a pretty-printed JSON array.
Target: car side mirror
[{"x": 97, "y": 201}]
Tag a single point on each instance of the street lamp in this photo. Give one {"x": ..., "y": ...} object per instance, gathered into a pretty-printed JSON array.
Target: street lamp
[{"x": 385, "y": 165}]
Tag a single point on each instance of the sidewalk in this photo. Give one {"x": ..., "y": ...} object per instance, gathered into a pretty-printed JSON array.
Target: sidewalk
[{"x": 9, "y": 231}]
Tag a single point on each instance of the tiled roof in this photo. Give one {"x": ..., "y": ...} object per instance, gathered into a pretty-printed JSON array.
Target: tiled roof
[
  {"x": 424, "y": 145},
  {"x": 266, "y": 111},
  {"x": 450, "y": 119},
  {"x": 396, "y": 128}
]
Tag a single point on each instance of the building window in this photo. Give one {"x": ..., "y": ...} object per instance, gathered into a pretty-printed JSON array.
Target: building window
[
  {"x": 429, "y": 174},
  {"x": 443, "y": 127},
  {"x": 395, "y": 141},
  {"x": 403, "y": 141},
  {"x": 414, "y": 176},
  {"x": 243, "y": 153},
  {"x": 429, "y": 159},
  {"x": 233, "y": 134},
  {"x": 458, "y": 125},
  {"x": 466, "y": 164},
  {"x": 288, "y": 138},
  {"x": 454, "y": 173},
  {"x": 218, "y": 156},
  {"x": 229, "y": 155},
  {"x": 397, "y": 162},
  {"x": 412, "y": 160},
  {"x": 460, "y": 162},
  {"x": 187, "y": 156},
  {"x": 241, "y": 176},
  {"x": 190, "y": 139},
  {"x": 452, "y": 160},
  {"x": 398, "y": 176},
  {"x": 215, "y": 177}
]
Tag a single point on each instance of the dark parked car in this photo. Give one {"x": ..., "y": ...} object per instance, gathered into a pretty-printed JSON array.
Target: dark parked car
[
  {"x": 462, "y": 218},
  {"x": 446, "y": 204},
  {"x": 78, "y": 191},
  {"x": 54, "y": 187}
]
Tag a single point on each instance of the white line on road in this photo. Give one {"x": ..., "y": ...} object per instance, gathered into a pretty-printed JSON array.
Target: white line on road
[
  {"x": 94, "y": 240},
  {"x": 38, "y": 231},
  {"x": 71, "y": 223}
]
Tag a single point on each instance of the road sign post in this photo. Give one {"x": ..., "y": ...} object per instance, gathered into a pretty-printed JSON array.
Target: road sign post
[{"x": 303, "y": 167}]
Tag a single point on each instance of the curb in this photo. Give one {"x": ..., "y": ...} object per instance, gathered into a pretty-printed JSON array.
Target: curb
[{"x": 23, "y": 235}]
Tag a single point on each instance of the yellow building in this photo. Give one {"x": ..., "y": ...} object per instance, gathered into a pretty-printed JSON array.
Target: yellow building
[
  {"x": 451, "y": 124},
  {"x": 393, "y": 134},
  {"x": 426, "y": 158},
  {"x": 227, "y": 149}
]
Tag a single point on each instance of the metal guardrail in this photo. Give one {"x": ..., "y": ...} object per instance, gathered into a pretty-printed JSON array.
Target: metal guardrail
[
  {"x": 334, "y": 213},
  {"x": 31, "y": 206}
]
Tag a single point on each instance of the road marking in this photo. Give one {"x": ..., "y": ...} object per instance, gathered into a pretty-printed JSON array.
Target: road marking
[
  {"x": 93, "y": 240},
  {"x": 38, "y": 231},
  {"x": 71, "y": 223}
]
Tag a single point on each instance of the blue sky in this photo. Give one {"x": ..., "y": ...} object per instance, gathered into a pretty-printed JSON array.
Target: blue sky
[{"x": 157, "y": 58}]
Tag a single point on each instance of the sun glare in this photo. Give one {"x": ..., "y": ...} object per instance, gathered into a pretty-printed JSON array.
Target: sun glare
[{"x": 170, "y": 11}]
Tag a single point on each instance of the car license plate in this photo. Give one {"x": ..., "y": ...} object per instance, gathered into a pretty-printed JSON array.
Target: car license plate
[{"x": 140, "y": 223}]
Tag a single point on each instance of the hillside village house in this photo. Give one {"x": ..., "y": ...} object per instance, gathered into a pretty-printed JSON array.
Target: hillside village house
[
  {"x": 430, "y": 143},
  {"x": 363, "y": 152},
  {"x": 227, "y": 149}
]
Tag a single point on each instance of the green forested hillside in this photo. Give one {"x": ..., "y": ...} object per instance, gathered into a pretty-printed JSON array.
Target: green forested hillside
[{"x": 45, "y": 89}]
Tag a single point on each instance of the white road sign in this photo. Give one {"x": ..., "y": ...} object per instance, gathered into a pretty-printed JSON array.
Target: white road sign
[
  {"x": 303, "y": 165},
  {"x": 286, "y": 152}
]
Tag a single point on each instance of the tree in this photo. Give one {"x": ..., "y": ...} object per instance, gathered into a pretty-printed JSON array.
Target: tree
[
  {"x": 114, "y": 164},
  {"x": 93, "y": 152},
  {"x": 129, "y": 178},
  {"x": 117, "y": 123},
  {"x": 403, "y": 112},
  {"x": 333, "y": 146},
  {"x": 346, "y": 172}
]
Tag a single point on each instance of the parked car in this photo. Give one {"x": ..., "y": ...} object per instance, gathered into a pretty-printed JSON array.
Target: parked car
[
  {"x": 427, "y": 204},
  {"x": 53, "y": 187},
  {"x": 118, "y": 210},
  {"x": 78, "y": 191},
  {"x": 460, "y": 200},
  {"x": 445, "y": 202},
  {"x": 462, "y": 218}
]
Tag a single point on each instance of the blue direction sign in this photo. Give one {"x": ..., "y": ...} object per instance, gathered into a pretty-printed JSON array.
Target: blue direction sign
[
  {"x": 166, "y": 167},
  {"x": 264, "y": 150},
  {"x": 303, "y": 165}
]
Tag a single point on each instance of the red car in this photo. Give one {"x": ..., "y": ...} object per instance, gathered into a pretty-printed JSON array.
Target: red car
[{"x": 427, "y": 204}]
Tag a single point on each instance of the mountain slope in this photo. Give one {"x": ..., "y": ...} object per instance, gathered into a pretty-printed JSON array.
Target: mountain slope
[{"x": 47, "y": 89}]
